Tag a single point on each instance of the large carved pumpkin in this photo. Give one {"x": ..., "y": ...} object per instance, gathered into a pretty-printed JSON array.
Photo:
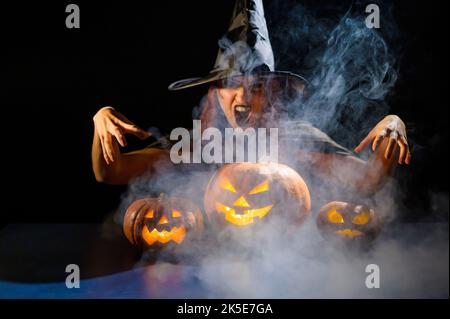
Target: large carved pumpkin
[
  {"x": 348, "y": 222},
  {"x": 243, "y": 194},
  {"x": 157, "y": 222}
]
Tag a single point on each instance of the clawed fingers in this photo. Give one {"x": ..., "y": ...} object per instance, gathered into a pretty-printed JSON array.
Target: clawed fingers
[
  {"x": 405, "y": 155},
  {"x": 128, "y": 127},
  {"x": 106, "y": 156},
  {"x": 378, "y": 139},
  {"x": 391, "y": 144},
  {"x": 135, "y": 130},
  {"x": 402, "y": 155},
  {"x": 111, "y": 126},
  {"x": 363, "y": 143},
  {"x": 408, "y": 157},
  {"x": 393, "y": 129},
  {"x": 109, "y": 147},
  {"x": 117, "y": 132}
]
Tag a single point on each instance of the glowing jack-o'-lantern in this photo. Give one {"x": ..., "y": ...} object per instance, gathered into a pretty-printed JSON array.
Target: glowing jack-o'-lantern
[
  {"x": 161, "y": 221},
  {"x": 349, "y": 222},
  {"x": 243, "y": 193}
]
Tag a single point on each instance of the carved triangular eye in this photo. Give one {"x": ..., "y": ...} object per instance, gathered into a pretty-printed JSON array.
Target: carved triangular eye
[
  {"x": 225, "y": 184},
  {"x": 263, "y": 187},
  {"x": 335, "y": 217},
  {"x": 361, "y": 219},
  {"x": 176, "y": 213},
  {"x": 149, "y": 214}
]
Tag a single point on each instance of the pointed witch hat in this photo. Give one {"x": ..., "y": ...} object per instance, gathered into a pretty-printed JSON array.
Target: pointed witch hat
[{"x": 244, "y": 50}]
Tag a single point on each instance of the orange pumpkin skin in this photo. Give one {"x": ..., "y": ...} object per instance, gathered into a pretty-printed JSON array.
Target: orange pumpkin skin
[
  {"x": 347, "y": 222},
  {"x": 242, "y": 194},
  {"x": 163, "y": 221}
]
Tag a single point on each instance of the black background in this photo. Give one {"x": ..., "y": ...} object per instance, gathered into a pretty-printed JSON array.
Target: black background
[{"x": 126, "y": 54}]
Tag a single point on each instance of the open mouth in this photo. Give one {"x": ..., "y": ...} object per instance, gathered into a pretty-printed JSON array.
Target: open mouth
[{"x": 242, "y": 114}]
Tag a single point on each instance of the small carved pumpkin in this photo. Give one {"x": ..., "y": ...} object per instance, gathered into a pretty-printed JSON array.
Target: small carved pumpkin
[
  {"x": 243, "y": 193},
  {"x": 156, "y": 222},
  {"x": 349, "y": 222}
]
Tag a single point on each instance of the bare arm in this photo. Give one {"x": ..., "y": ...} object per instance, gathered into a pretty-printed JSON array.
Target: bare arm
[
  {"x": 351, "y": 172},
  {"x": 389, "y": 147},
  {"x": 108, "y": 163}
]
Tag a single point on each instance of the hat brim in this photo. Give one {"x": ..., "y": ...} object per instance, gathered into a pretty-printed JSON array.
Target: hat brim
[{"x": 215, "y": 76}]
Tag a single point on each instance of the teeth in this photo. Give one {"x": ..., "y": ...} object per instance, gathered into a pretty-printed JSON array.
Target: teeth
[{"x": 242, "y": 108}]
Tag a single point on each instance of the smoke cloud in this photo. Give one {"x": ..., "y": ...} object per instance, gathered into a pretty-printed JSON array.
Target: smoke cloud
[{"x": 350, "y": 71}]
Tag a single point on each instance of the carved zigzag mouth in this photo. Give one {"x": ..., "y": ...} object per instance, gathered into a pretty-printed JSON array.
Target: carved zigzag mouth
[
  {"x": 242, "y": 219},
  {"x": 176, "y": 234}
]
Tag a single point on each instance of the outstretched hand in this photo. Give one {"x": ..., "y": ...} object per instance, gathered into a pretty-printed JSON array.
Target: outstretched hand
[
  {"x": 109, "y": 125},
  {"x": 392, "y": 128}
]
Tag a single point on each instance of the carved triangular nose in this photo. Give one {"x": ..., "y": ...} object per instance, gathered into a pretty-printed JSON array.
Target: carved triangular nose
[
  {"x": 163, "y": 220},
  {"x": 241, "y": 202}
]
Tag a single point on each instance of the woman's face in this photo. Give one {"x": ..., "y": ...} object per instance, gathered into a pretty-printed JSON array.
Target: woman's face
[{"x": 242, "y": 100}]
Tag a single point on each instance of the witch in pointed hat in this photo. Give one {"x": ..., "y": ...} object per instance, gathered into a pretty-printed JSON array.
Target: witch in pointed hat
[
  {"x": 244, "y": 68},
  {"x": 246, "y": 91}
]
